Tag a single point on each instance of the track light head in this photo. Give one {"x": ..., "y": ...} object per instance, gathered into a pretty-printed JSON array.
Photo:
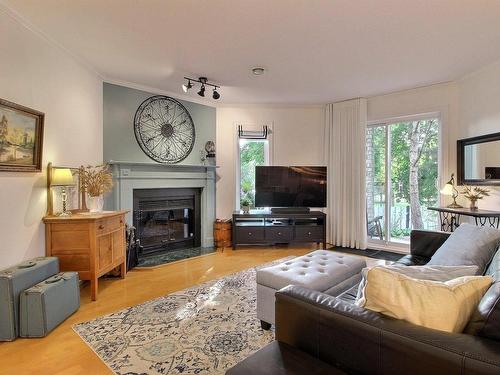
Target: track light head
[
  {"x": 215, "y": 95},
  {"x": 185, "y": 87},
  {"x": 202, "y": 91}
]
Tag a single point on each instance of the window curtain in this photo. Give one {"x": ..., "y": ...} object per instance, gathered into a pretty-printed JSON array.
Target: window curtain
[{"x": 345, "y": 158}]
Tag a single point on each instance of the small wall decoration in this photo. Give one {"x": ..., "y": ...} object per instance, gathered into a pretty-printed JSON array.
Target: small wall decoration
[
  {"x": 164, "y": 129},
  {"x": 21, "y": 138}
]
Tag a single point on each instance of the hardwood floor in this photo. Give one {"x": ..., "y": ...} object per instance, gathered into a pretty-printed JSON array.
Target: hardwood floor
[{"x": 63, "y": 352}]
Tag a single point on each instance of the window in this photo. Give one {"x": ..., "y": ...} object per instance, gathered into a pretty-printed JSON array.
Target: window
[
  {"x": 402, "y": 167},
  {"x": 252, "y": 153}
]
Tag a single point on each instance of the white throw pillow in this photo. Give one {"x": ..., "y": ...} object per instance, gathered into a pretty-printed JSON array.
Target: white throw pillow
[
  {"x": 433, "y": 273},
  {"x": 445, "y": 306}
]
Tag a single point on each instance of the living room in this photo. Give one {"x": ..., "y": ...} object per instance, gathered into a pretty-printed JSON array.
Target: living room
[{"x": 352, "y": 101}]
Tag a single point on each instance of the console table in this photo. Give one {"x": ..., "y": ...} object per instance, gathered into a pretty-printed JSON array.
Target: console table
[
  {"x": 450, "y": 217},
  {"x": 266, "y": 228}
]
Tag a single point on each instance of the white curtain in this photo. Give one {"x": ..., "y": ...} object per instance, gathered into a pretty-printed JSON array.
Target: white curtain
[{"x": 345, "y": 158}]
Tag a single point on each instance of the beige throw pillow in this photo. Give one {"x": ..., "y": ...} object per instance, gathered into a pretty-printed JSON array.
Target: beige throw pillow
[{"x": 445, "y": 306}]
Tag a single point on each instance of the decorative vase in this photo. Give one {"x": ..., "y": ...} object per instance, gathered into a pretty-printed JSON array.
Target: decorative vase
[
  {"x": 246, "y": 209},
  {"x": 96, "y": 204},
  {"x": 473, "y": 204}
]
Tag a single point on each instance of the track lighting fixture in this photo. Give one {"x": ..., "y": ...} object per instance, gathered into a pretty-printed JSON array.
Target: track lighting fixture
[{"x": 204, "y": 82}]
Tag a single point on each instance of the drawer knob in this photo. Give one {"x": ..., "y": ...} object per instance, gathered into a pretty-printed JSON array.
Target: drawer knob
[
  {"x": 249, "y": 233},
  {"x": 309, "y": 233},
  {"x": 101, "y": 226},
  {"x": 279, "y": 233}
]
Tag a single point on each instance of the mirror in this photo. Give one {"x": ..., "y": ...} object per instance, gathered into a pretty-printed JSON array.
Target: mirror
[{"x": 479, "y": 160}]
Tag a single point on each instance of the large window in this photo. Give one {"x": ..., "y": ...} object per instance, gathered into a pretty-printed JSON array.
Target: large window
[
  {"x": 401, "y": 179},
  {"x": 252, "y": 153}
]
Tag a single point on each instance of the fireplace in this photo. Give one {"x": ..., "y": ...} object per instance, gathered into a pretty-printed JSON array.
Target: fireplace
[{"x": 167, "y": 218}]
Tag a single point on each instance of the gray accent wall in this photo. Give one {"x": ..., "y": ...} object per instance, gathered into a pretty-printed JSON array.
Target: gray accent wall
[{"x": 119, "y": 106}]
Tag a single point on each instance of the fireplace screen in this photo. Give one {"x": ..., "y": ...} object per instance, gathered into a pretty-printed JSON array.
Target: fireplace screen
[{"x": 166, "y": 220}]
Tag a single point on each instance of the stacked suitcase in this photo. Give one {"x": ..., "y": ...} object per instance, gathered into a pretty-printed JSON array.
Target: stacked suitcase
[{"x": 35, "y": 298}]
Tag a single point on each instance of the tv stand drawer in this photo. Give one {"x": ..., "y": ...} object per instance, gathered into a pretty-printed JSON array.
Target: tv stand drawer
[
  {"x": 309, "y": 233},
  {"x": 249, "y": 234},
  {"x": 278, "y": 234}
]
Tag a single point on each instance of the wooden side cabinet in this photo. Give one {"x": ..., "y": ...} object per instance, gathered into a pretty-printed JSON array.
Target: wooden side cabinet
[{"x": 91, "y": 244}]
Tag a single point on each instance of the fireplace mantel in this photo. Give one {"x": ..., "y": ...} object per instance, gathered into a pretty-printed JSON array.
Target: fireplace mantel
[{"x": 128, "y": 176}]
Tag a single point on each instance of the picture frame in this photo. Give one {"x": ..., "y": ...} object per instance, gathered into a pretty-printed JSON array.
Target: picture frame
[{"x": 21, "y": 138}]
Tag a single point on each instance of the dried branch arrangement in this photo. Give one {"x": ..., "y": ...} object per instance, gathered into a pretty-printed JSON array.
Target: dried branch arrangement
[
  {"x": 474, "y": 193},
  {"x": 96, "y": 180}
]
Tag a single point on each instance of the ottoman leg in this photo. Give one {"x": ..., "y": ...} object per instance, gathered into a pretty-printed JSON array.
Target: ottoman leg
[{"x": 265, "y": 325}]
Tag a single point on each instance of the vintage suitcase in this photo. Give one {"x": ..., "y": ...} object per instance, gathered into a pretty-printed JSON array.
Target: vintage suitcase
[
  {"x": 47, "y": 304},
  {"x": 13, "y": 281}
]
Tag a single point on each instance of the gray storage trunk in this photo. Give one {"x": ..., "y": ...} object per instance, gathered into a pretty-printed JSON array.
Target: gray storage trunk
[
  {"x": 44, "y": 306},
  {"x": 13, "y": 281}
]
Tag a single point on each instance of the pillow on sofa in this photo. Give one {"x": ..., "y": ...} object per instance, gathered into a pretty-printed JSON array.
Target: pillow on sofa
[
  {"x": 433, "y": 273},
  {"x": 445, "y": 306},
  {"x": 468, "y": 245}
]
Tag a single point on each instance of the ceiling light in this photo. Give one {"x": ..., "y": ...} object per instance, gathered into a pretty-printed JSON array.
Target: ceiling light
[
  {"x": 258, "y": 71},
  {"x": 202, "y": 91},
  {"x": 185, "y": 87},
  {"x": 204, "y": 82},
  {"x": 216, "y": 95}
]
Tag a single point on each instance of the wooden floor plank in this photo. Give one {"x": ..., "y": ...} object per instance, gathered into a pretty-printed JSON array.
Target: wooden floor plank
[{"x": 63, "y": 352}]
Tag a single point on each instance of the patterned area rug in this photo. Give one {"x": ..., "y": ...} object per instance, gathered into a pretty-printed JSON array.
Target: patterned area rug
[{"x": 205, "y": 329}]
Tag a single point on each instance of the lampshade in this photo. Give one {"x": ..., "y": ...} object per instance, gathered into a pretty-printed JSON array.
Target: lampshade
[
  {"x": 447, "y": 189},
  {"x": 62, "y": 177}
]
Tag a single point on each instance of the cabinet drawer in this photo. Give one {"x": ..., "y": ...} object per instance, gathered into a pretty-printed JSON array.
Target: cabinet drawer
[
  {"x": 278, "y": 233},
  {"x": 309, "y": 233},
  {"x": 108, "y": 225},
  {"x": 249, "y": 234}
]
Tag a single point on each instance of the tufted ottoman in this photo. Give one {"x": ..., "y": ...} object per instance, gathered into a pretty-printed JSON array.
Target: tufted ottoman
[{"x": 321, "y": 270}]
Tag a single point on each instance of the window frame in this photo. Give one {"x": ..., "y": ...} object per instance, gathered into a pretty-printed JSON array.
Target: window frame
[
  {"x": 442, "y": 150},
  {"x": 268, "y": 156}
]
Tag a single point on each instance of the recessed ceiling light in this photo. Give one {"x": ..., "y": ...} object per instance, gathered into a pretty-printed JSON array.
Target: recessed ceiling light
[{"x": 258, "y": 71}]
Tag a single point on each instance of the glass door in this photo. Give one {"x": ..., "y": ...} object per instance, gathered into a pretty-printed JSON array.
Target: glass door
[{"x": 402, "y": 168}]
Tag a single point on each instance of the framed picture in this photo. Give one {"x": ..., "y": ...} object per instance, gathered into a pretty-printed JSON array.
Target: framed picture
[{"x": 21, "y": 138}]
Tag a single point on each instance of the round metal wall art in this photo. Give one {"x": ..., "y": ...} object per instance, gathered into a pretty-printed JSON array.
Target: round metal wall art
[{"x": 164, "y": 129}]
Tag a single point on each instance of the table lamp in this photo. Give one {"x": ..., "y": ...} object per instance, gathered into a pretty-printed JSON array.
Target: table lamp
[
  {"x": 63, "y": 177},
  {"x": 450, "y": 190}
]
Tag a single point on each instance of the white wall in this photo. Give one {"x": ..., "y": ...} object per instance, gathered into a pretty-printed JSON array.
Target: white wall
[
  {"x": 297, "y": 140},
  {"x": 38, "y": 75},
  {"x": 479, "y": 113}
]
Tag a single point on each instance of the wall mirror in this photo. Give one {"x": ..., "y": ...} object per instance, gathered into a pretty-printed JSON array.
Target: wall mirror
[{"x": 479, "y": 160}]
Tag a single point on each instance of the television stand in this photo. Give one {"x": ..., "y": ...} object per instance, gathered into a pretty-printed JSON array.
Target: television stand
[
  {"x": 290, "y": 210},
  {"x": 269, "y": 228}
]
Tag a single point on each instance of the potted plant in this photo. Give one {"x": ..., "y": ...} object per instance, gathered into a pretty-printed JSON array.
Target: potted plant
[
  {"x": 96, "y": 181},
  {"x": 474, "y": 193},
  {"x": 245, "y": 205}
]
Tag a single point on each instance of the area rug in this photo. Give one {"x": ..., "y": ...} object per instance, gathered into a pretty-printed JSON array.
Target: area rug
[{"x": 205, "y": 329}]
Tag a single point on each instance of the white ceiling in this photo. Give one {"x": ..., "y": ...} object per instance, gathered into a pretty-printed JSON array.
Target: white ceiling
[{"x": 315, "y": 51}]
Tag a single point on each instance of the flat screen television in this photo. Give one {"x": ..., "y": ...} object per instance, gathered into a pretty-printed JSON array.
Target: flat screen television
[{"x": 290, "y": 186}]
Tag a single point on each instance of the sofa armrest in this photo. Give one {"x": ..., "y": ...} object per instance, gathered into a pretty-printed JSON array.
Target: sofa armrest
[
  {"x": 362, "y": 341},
  {"x": 424, "y": 243}
]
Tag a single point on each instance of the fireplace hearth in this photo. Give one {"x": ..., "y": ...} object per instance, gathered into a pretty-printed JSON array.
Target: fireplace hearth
[{"x": 167, "y": 219}]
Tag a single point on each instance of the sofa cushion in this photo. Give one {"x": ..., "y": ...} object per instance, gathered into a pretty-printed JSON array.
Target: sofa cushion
[
  {"x": 485, "y": 321},
  {"x": 445, "y": 306},
  {"x": 468, "y": 245}
]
